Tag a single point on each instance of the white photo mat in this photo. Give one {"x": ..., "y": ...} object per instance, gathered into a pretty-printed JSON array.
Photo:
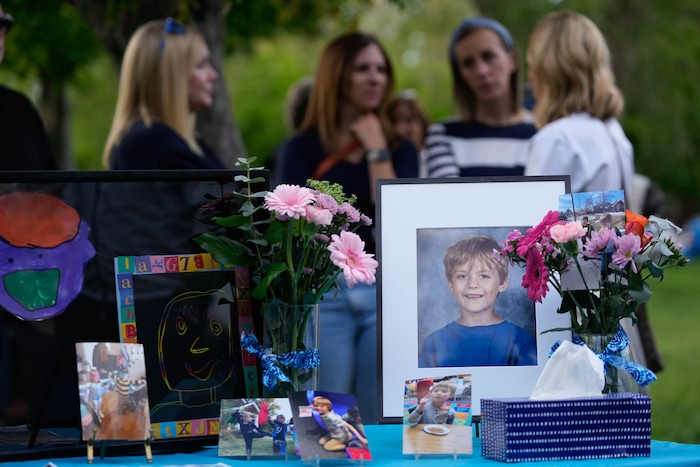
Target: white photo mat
[{"x": 405, "y": 206}]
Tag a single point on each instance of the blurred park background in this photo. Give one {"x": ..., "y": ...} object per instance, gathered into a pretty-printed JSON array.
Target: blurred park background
[{"x": 65, "y": 53}]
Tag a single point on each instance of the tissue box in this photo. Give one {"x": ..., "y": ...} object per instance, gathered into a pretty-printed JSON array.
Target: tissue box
[{"x": 521, "y": 429}]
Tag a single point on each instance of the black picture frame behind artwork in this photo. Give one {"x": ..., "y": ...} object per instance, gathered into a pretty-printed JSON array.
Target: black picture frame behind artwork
[
  {"x": 129, "y": 213},
  {"x": 416, "y": 220}
]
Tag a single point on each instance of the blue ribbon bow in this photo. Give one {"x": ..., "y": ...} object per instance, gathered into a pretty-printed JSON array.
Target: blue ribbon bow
[
  {"x": 642, "y": 375},
  {"x": 269, "y": 361}
]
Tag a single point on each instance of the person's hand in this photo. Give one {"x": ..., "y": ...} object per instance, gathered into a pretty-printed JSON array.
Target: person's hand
[
  {"x": 368, "y": 130},
  {"x": 422, "y": 403}
]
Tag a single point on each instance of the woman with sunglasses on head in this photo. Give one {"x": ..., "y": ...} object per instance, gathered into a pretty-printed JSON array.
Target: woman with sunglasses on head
[
  {"x": 346, "y": 138},
  {"x": 491, "y": 134},
  {"x": 23, "y": 141},
  {"x": 166, "y": 78}
]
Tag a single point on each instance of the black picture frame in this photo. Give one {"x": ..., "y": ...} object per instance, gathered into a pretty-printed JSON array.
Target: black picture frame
[
  {"x": 405, "y": 206},
  {"x": 53, "y": 400}
]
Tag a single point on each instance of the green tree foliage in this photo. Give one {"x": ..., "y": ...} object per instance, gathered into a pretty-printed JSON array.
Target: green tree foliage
[
  {"x": 49, "y": 38},
  {"x": 50, "y": 43}
]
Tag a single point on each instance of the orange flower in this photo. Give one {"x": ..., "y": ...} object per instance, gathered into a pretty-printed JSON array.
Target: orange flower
[
  {"x": 635, "y": 225},
  {"x": 634, "y": 217}
]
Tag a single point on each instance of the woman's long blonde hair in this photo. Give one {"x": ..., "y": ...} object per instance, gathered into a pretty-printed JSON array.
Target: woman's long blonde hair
[
  {"x": 153, "y": 81},
  {"x": 570, "y": 61}
]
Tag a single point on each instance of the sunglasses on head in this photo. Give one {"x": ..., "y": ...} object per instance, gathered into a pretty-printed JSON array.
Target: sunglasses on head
[
  {"x": 173, "y": 27},
  {"x": 6, "y": 22}
]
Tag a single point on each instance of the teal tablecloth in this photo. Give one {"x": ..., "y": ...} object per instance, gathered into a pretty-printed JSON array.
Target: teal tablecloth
[{"x": 385, "y": 444}]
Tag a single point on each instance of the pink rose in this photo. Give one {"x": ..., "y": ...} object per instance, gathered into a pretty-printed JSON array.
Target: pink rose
[
  {"x": 562, "y": 233},
  {"x": 318, "y": 216}
]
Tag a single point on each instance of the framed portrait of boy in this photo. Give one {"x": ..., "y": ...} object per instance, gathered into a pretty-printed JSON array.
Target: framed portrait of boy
[{"x": 447, "y": 301}]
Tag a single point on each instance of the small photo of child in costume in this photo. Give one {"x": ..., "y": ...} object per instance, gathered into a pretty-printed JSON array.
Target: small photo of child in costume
[
  {"x": 332, "y": 429},
  {"x": 113, "y": 404}
]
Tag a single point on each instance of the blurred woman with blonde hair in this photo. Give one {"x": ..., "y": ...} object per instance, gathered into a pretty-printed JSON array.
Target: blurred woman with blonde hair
[
  {"x": 166, "y": 78},
  {"x": 577, "y": 106}
]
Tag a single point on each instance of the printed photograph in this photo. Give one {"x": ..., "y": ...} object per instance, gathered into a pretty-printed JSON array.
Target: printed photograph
[
  {"x": 113, "y": 391},
  {"x": 597, "y": 211},
  {"x": 437, "y": 415},
  {"x": 256, "y": 428},
  {"x": 472, "y": 309},
  {"x": 328, "y": 425}
]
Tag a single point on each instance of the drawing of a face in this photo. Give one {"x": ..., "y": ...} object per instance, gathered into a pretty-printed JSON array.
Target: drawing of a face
[
  {"x": 43, "y": 251},
  {"x": 194, "y": 340}
]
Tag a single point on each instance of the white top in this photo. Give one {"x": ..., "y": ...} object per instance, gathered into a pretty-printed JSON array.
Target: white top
[{"x": 596, "y": 154}]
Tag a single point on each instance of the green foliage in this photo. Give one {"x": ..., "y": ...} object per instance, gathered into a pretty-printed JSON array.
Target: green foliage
[
  {"x": 673, "y": 311},
  {"x": 93, "y": 95},
  {"x": 49, "y": 38}
]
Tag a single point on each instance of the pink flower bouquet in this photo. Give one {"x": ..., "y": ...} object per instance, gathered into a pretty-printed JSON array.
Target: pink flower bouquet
[
  {"x": 623, "y": 262},
  {"x": 296, "y": 240}
]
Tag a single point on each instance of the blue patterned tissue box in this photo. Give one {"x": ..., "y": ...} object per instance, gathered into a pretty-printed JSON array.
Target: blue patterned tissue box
[{"x": 521, "y": 429}]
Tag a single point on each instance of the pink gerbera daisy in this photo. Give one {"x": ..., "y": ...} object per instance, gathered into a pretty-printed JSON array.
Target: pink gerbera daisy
[
  {"x": 289, "y": 200},
  {"x": 347, "y": 252},
  {"x": 627, "y": 247},
  {"x": 537, "y": 233},
  {"x": 536, "y": 276}
]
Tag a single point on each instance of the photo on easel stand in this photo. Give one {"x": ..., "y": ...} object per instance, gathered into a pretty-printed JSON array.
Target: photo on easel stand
[
  {"x": 256, "y": 427},
  {"x": 438, "y": 415},
  {"x": 113, "y": 392},
  {"x": 328, "y": 425}
]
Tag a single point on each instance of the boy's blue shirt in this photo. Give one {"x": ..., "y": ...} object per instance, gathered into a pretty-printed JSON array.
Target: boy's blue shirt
[{"x": 455, "y": 345}]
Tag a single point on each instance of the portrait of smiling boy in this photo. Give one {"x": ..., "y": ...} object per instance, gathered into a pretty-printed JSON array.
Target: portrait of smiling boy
[{"x": 478, "y": 337}]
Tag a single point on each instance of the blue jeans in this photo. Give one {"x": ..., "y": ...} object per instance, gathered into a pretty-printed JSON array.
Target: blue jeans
[{"x": 348, "y": 345}]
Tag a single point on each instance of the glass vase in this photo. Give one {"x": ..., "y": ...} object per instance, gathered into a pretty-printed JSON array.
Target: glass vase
[
  {"x": 287, "y": 329},
  {"x": 616, "y": 379}
]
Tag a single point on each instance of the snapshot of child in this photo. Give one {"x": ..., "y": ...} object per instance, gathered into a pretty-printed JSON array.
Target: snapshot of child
[
  {"x": 478, "y": 337},
  {"x": 279, "y": 434},
  {"x": 433, "y": 407},
  {"x": 340, "y": 433},
  {"x": 249, "y": 430}
]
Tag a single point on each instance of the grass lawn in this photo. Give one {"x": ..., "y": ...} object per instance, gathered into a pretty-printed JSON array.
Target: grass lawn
[{"x": 674, "y": 311}]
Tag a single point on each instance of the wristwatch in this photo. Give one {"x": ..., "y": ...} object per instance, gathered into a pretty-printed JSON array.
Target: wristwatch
[{"x": 378, "y": 155}]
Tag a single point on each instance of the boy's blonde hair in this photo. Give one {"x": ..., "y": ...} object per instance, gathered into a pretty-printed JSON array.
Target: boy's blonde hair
[
  {"x": 320, "y": 400},
  {"x": 570, "y": 60},
  {"x": 475, "y": 248},
  {"x": 153, "y": 82},
  {"x": 445, "y": 384}
]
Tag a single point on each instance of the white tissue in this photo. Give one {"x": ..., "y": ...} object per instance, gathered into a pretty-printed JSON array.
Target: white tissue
[{"x": 572, "y": 371}]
